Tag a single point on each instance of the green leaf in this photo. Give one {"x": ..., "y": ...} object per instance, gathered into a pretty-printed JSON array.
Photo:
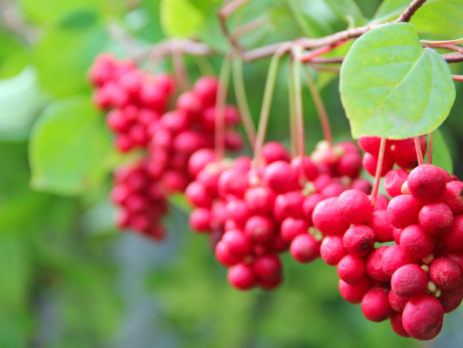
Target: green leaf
[
  {"x": 20, "y": 101},
  {"x": 439, "y": 19},
  {"x": 13, "y": 56},
  {"x": 69, "y": 144},
  {"x": 180, "y": 18},
  {"x": 391, "y": 87},
  {"x": 441, "y": 155},
  {"x": 66, "y": 51},
  {"x": 347, "y": 9}
]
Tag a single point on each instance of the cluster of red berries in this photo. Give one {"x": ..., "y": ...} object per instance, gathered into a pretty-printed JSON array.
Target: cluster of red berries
[
  {"x": 141, "y": 200},
  {"x": 187, "y": 129},
  {"x": 136, "y": 103},
  {"x": 136, "y": 99},
  {"x": 254, "y": 213}
]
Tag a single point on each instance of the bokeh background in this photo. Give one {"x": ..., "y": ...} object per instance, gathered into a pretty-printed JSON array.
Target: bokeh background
[{"x": 68, "y": 278}]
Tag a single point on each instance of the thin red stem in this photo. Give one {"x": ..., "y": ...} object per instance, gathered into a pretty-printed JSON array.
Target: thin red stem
[
  {"x": 430, "y": 147},
  {"x": 299, "y": 113},
  {"x": 179, "y": 66},
  {"x": 457, "y": 77},
  {"x": 318, "y": 52},
  {"x": 418, "y": 150},
  {"x": 292, "y": 114},
  {"x": 379, "y": 169},
  {"x": 220, "y": 108}
]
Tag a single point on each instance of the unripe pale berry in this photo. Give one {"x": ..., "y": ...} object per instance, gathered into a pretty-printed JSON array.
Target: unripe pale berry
[
  {"x": 374, "y": 265},
  {"x": 291, "y": 228},
  {"x": 409, "y": 281},
  {"x": 358, "y": 240},
  {"x": 241, "y": 276},
  {"x": 354, "y": 206},
  {"x": 260, "y": 228},
  {"x": 416, "y": 242},
  {"x": 423, "y": 317},
  {"x": 381, "y": 226},
  {"x": 445, "y": 273},
  {"x": 397, "y": 324},
  {"x": 332, "y": 250},
  {"x": 326, "y": 218},
  {"x": 453, "y": 196},
  {"x": 351, "y": 269},
  {"x": 394, "y": 180},
  {"x": 353, "y": 293},
  {"x": 375, "y": 305},
  {"x": 427, "y": 183},
  {"x": 436, "y": 218},
  {"x": 403, "y": 211},
  {"x": 397, "y": 303},
  {"x": 394, "y": 258},
  {"x": 304, "y": 248},
  {"x": 451, "y": 299}
]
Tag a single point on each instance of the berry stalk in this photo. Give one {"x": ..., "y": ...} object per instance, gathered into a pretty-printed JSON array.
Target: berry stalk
[
  {"x": 296, "y": 72},
  {"x": 419, "y": 153},
  {"x": 181, "y": 74},
  {"x": 379, "y": 169},
  {"x": 292, "y": 115},
  {"x": 430, "y": 144},
  {"x": 242, "y": 101},
  {"x": 220, "y": 107}
]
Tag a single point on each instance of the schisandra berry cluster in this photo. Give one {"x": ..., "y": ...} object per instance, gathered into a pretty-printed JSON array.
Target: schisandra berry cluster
[
  {"x": 256, "y": 212},
  {"x": 137, "y": 105}
]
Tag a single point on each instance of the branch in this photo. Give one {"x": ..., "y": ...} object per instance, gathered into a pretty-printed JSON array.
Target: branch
[
  {"x": 164, "y": 49},
  {"x": 457, "y": 77},
  {"x": 410, "y": 11},
  {"x": 453, "y": 58},
  {"x": 447, "y": 47}
]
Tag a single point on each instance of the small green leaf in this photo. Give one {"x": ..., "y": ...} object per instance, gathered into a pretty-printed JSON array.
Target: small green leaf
[
  {"x": 347, "y": 8},
  {"x": 180, "y": 18},
  {"x": 391, "y": 87},
  {"x": 69, "y": 144},
  {"x": 66, "y": 51},
  {"x": 441, "y": 155},
  {"x": 20, "y": 101}
]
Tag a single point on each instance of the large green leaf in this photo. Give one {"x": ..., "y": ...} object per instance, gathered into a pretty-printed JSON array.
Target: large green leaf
[
  {"x": 180, "y": 18},
  {"x": 69, "y": 144},
  {"x": 392, "y": 87},
  {"x": 20, "y": 101},
  {"x": 349, "y": 10},
  {"x": 436, "y": 18},
  {"x": 13, "y": 56},
  {"x": 441, "y": 155},
  {"x": 66, "y": 51}
]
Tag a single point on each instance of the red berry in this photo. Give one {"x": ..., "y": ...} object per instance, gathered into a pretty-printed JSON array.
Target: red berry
[
  {"x": 291, "y": 228},
  {"x": 454, "y": 239},
  {"x": 358, "y": 240},
  {"x": 152, "y": 97},
  {"x": 370, "y": 163},
  {"x": 394, "y": 180},
  {"x": 274, "y": 151},
  {"x": 423, "y": 317},
  {"x": 267, "y": 268},
  {"x": 280, "y": 177},
  {"x": 260, "y": 228},
  {"x": 361, "y": 185},
  {"x": 332, "y": 250},
  {"x": 350, "y": 164},
  {"x": 381, "y": 226},
  {"x": 394, "y": 258},
  {"x": 206, "y": 89},
  {"x": 454, "y": 196},
  {"x": 241, "y": 276},
  {"x": 310, "y": 170},
  {"x": 372, "y": 144},
  {"x": 190, "y": 103},
  {"x": 374, "y": 265},
  {"x": 375, "y": 305},
  {"x": 200, "y": 220},
  {"x": 354, "y": 206},
  {"x": 237, "y": 242},
  {"x": 451, "y": 299},
  {"x": 405, "y": 150},
  {"x": 351, "y": 269},
  {"x": 309, "y": 204},
  {"x": 427, "y": 183},
  {"x": 288, "y": 205},
  {"x": 332, "y": 190},
  {"x": 199, "y": 160},
  {"x": 260, "y": 200},
  {"x": 397, "y": 303},
  {"x": 198, "y": 195},
  {"x": 238, "y": 211},
  {"x": 233, "y": 182},
  {"x": 224, "y": 256},
  {"x": 353, "y": 293},
  {"x": 416, "y": 242},
  {"x": 445, "y": 273},
  {"x": 326, "y": 218},
  {"x": 304, "y": 248},
  {"x": 397, "y": 324},
  {"x": 436, "y": 218},
  {"x": 409, "y": 281},
  {"x": 403, "y": 211}
]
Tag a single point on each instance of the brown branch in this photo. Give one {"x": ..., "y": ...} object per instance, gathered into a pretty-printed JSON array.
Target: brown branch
[
  {"x": 453, "y": 58},
  {"x": 246, "y": 28},
  {"x": 410, "y": 11},
  {"x": 231, "y": 7},
  {"x": 447, "y": 47},
  {"x": 319, "y": 67},
  {"x": 322, "y": 60},
  {"x": 230, "y": 38}
]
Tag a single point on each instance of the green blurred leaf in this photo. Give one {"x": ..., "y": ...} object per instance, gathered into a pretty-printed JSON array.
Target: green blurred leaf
[
  {"x": 180, "y": 202},
  {"x": 66, "y": 51},
  {"x": 438, "y": 18},
  {"x": 180, "y": 18},
  {"x": 13, "y": 56},
  {"x": 441, "y": 155},
  {"x": 20, "y": 101},
  {"x": 68, "y": 145},
  {"x": 392, "y": 87},
  {"x": 349, "y": 10}
]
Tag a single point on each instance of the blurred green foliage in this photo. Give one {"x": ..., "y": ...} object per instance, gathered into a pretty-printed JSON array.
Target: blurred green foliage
[{"x": 67, "y": 279}]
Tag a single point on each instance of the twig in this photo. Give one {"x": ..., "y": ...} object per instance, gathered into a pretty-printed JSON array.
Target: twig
[
  {"x": 322, "y": 60},
  {"x": 322, "y": 50},
  {"x": 430, "y": 147},
  {"x": 319, "y": 67},
  {"x": 453, "y": 57},
  {"x": 379, "y": 169},
  {"x": 447, "y": 47},
  {"x": 228, "y": 9},
  {"x": 220, "y": 107},
  {"x": 246, "y": 28},
  {"x": 419, "y": 153},
  {"x": 457, "y": 77},
  {"x": 179, "y": 66},
  {"x": 410, "y": 11}
]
